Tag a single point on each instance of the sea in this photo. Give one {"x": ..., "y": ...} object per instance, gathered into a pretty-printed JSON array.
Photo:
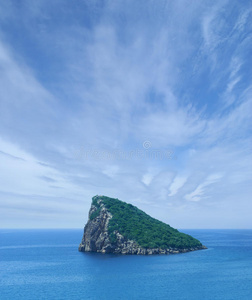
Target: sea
[{"x": 46, "y": 264}]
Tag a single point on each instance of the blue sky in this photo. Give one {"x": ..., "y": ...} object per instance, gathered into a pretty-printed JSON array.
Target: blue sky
[{"x": 145, "y": 101}]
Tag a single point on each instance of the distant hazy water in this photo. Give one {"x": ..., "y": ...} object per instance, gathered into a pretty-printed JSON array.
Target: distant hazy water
[{"x": 46, "y": 264}]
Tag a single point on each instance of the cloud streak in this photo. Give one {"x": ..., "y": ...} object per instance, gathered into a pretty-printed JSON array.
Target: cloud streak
[{"x": 106, "y": 77}]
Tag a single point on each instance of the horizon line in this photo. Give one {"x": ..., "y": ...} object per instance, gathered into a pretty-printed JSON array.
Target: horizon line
[{"x": 78, "y": 228}]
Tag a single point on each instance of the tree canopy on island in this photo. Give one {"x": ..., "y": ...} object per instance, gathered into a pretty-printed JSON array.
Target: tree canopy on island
[{"x": 134, "y": 224}]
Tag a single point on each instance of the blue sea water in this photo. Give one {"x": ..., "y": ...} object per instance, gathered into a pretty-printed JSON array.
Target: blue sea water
[{"x": 46, "y": 264}]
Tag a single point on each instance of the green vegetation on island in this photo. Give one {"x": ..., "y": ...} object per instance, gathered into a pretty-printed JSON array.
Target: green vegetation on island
[{"x": 134, "y": 224}]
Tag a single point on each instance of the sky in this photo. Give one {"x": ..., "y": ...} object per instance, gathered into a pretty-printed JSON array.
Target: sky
[{"x": 145, "y": 101}]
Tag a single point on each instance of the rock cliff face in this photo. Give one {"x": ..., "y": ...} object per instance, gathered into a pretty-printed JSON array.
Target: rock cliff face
[{"x": 97, "y": 238}]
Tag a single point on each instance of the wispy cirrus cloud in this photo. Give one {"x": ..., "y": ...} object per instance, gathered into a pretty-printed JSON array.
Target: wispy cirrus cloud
[
  {"x": 177, "y": 183},
  {"x": 199, "y": 192},
  {"x": 107, "y": 77}
]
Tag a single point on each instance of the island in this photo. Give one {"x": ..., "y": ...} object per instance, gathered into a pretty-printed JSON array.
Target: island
[{"x": 117, "y": 227}]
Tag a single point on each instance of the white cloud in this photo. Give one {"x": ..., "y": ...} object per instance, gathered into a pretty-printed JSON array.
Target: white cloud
[
  {"x": 177, "y": 183},
  {"x": 111, "y": 170},
  {"x": 20, "y": 172},
  {"x": 199, "y": 192},
  {"x": 147, "y": 178},
  {"x": 112, "y": 85}
]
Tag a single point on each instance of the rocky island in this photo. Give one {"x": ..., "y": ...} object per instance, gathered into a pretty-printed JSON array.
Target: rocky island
[{"x": 115, "y": 226}]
